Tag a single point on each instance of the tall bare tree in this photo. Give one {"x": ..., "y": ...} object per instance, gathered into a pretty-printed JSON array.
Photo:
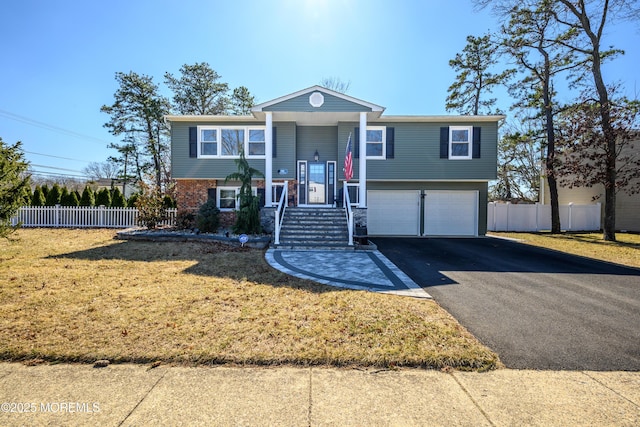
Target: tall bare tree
[
  {"x": 586, "y": 153},
  {"x": 531, "y": 38},
  {"x": 335, "y": 84},
  {"x": 588, "y": 20}
]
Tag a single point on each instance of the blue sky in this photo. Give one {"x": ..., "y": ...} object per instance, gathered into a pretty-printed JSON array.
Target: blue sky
[{"x": 60, "y": 58}]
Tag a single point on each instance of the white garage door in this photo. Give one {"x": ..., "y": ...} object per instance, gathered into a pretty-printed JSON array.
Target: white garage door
[
  {"x": 393, "y": 213},
  {"x": 451, "y": 213}
]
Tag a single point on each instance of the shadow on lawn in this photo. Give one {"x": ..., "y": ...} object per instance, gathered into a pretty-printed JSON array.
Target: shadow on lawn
[{"x": 211, "y": 260}]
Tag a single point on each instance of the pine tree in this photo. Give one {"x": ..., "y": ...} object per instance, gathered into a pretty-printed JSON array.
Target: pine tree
[
  {"x": 14, "y": 185},
  {"x": 103, "y": 198},
  {"x": 72, "y": 199},
  {"x": 64, "y": 195},
  {"x": 117, "y": 199},
  {"x": 88, "y": 198},
  {"x": 248, "y": 215},
  {"x": 53, "y": 196},
  {"x": 38, "y": 198}
]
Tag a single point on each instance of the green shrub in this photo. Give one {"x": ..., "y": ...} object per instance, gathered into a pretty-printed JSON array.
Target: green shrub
[
  {"x": 88, "y": 198},
  {"x": 117, "y": 199},
  {"x": 208, "y": 217},
  {"x": 168, "y": 202},
  {"x": 53, "y": 196},
  {"x": 185, "y": 220},
  {"x": 72, "y": 199},
  {"x": 132, "y": 200},
  {"x": 38, "y": 198},
  {"x": 103, "y": 198}
]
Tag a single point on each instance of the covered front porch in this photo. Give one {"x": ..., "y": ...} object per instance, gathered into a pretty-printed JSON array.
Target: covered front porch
[{"x": 324, "y": 121}]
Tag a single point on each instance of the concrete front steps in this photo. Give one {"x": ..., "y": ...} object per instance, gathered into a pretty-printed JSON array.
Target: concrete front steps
[{"x": 314, "y": 228}]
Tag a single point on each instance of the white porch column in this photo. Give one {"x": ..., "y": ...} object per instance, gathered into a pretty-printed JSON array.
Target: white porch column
[
  {"x": 268, "y": 161},
  {"x": 362, "y": 176}
]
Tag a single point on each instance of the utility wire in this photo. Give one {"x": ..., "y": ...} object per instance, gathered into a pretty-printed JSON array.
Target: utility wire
[
  {"x": 53, "y": 167},
  {"x": 57, "y": 157},
  {"x": 52, "y": 128}
]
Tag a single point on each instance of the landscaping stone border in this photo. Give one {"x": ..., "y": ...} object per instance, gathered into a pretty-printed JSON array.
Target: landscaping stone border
[{"x": 256, "y": 242}]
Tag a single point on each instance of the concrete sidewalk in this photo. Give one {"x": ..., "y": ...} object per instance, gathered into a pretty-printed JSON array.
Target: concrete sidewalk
[{"x": 133, "y": 395}]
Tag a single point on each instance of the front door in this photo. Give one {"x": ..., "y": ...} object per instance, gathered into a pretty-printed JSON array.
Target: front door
[{"x": 316, "y": 183}]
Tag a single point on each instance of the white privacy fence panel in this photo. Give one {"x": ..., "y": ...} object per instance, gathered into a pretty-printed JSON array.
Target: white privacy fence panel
[
  {"x": 509, "y": 217},
  {"x": 82, "y": 216}
]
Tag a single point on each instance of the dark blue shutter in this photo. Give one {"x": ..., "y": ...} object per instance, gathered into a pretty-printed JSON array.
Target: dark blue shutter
[
  {"x": 390, "y": 143},
  {"x": 193, "y": 142},
  {"x": 476, "y": 142},
  {"x": 274, "y": 145},
  {"x": 211, "y": 194},
  {"x": 444, "y": 142},
  {"x": 356, "y": 143},
  {"x": 261, "y": 193}
]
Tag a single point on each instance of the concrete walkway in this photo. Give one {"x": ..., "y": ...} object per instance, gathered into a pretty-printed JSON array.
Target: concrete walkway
[
  {"x": 133, "y": 395},
  {"x": 361, "y": 270}
]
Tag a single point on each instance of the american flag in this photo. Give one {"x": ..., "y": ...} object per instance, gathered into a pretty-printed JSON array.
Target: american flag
[{"x": 348, "y": 161}]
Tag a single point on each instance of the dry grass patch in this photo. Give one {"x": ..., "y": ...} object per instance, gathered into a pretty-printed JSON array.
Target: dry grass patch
[
  {"x": 625, "y": 251},
  {"x": 79, "y": 295}
]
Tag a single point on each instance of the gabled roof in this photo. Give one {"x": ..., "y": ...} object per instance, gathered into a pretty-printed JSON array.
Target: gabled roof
[{"x": 367, "y": 105}]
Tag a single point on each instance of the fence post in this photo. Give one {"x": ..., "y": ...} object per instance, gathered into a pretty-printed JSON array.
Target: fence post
[
  {"x": 570, "y": 215},
  {"x": 56, "y": 215}
]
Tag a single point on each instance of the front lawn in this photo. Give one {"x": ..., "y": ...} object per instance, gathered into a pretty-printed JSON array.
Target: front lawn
[{"x": 80, "y": 296}]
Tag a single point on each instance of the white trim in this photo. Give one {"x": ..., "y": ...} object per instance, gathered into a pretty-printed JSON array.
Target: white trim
[
  {"x": 261, "y": 107},
  {"x": 383, "y": 142},
  {"x": 381, "y": 119},
  {"x": 362, "y": 163},
  {"x": 268, "y": 161},
  {"x": 438, "y": 119},
  {"x": 306, "y": 181},
  {"x": 469, "y": 142},
  {"x": 219, "y": 129},
  {"x": 236, "y": 189}
]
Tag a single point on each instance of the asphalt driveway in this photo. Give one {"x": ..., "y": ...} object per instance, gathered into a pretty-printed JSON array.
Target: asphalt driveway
[{"x": 539, "y": 309}]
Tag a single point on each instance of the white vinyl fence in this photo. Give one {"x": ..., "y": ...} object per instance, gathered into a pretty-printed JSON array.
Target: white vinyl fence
[
  {"x": 508, "y": 217},
  {"x": 82, "y": 216}
]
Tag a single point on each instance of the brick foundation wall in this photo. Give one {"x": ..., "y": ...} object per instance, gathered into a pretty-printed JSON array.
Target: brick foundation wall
[{"x": 192, "y": 193}]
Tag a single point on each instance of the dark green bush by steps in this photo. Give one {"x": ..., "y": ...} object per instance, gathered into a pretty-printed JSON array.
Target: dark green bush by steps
[{"x": 208, "y": 218}]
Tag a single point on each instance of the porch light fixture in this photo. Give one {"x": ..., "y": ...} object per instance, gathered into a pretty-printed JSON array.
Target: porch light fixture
[{"x": 316, "y": 156}]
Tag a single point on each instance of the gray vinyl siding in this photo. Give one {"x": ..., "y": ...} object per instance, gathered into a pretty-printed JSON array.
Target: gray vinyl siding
[
  {"x": 321, "y": 138},
  {"x": 417, "y": 154},
  {"x": 481, "y": 187},
  {"x": 331, "y": 104},
  {"x": 285, "y": 151}
]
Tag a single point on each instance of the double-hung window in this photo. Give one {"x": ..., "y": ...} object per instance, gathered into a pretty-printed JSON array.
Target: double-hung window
[
  {"x": 208, "y": 142},
  {"x": 228, "y": 198},
  {"x": 460, "y": 140},
  {"x": 256, "y": 142},
  {"x": 376, "y": 138},
  {"x": 229, "y": 141},
  {"x": 232, "y": 141}
]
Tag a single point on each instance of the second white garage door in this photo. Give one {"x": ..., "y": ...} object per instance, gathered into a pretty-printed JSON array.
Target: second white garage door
[
  {"x": 451, "y": 213},
  {"x": 393, "y": 212}
]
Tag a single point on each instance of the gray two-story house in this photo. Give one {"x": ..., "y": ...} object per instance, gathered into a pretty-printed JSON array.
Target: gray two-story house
[{"x": 411, "y": 175}]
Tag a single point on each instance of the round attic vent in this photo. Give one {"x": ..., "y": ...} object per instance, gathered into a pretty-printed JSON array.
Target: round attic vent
[{"x": 316, "y": 99}]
